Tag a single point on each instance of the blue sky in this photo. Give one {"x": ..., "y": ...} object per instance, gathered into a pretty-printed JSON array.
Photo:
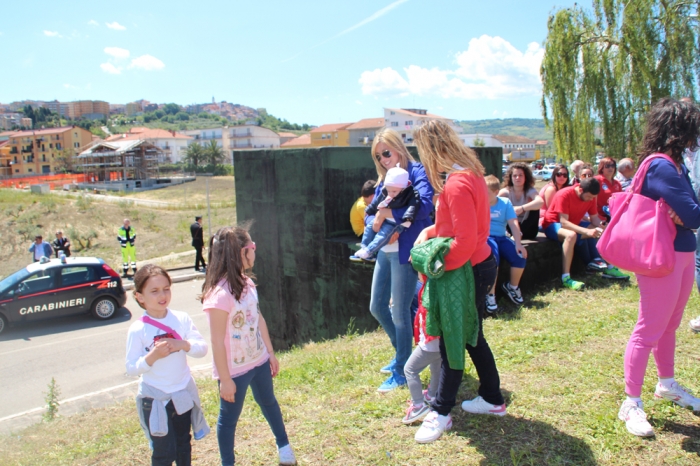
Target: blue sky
[{"x": 308, "y": 61}]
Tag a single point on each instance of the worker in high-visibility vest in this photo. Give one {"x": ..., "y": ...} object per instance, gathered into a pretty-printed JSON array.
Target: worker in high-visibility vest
[{"x": 126, "y": 236}]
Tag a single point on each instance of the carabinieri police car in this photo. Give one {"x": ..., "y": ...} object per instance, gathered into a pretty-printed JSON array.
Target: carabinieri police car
[{"x": 60, "y": 287}]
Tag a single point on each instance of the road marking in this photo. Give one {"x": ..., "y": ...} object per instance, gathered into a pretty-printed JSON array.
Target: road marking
[
  {"x": 125, "y": 329},
  {"x": 104, "y": 390}
]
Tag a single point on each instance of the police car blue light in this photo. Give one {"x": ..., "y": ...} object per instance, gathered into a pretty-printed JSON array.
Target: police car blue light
[{"x": 60, "y": 287}]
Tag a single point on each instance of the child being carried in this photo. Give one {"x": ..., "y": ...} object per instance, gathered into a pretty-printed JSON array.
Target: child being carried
[{"x": 397, "y": 193}]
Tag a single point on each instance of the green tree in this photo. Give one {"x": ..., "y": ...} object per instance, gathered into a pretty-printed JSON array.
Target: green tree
[
  {"x": 213, "y": 153},
  {"x": 194, "y": 155},
  {"x": 478, "y": 142},
  {"x": 171, "y": 109},
  {"x": 606, "y": 68}
]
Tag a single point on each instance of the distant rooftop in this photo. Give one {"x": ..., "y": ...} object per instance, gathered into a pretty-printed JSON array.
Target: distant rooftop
[{"x": 368, "y": 123}]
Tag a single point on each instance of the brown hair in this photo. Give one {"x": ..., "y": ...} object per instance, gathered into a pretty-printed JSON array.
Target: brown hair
[
  {"x": 529, "y": 179},
  {"x": 492, "y": 183},
  {"x": 557, "y": 167},
  {"x": 225, "y": 262},
  {"x": 143, "y": 275},
  {"x": 440, "y": 149},
  {"x": 603, "y": 162},
  {"x": 671, "y": 128},
  {"x": 392, "y": 139}
]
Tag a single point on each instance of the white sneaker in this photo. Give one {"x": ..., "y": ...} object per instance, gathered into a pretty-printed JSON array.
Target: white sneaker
[
  {"x": 433, "y": 426},
  {"x": 491, "y": 305},
  {"x": 363, "y": 254},
  {"x": 679, "y": 395},
  {"x": 635, "y": 418},
  {"x": 695, "y": 325},
  {"x": 480, "y": 406},
  {"x": 287, "y": 455}
]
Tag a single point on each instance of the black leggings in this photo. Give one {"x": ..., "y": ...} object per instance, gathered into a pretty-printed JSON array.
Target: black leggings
[
  {"x": 481, "y": 355},
  {"x": 530, "y": 226}
]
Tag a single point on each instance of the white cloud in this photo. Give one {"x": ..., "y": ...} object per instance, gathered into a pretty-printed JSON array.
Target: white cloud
[
  {"x": 52, "y": 34},
  {"x": 117, "y": 52},
  {"x": 110, "y": 68},
  {"x": 116, "y": 26},
  {"x": 92, "y": 22},
  {"x": 70, "y": 86},
  {"x": 147, "y": 62},
  {"x": 490, "y": 68}
]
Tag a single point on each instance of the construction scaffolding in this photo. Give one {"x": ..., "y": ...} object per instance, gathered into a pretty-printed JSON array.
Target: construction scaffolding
[{"x": 120, "y": 161}]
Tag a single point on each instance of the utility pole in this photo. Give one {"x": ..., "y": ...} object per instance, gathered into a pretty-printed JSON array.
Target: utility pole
[{"x": 208, "y": 208}]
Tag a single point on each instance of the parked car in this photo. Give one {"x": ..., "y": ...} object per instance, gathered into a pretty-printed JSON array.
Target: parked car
[
  {"x": 537, "y": 174},
  {"x": 547, "y": 174},
  {"x": 57, "y": 288}
]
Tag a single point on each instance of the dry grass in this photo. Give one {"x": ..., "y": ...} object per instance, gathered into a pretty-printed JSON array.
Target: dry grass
[
  {"x": 159, "y": 231},
  {"x": 560, "y": 359},
  {"x": 221, "y": 189}
]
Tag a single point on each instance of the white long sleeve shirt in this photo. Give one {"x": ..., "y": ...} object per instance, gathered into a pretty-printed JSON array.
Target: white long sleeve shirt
[{"x": 171, "y": 373}]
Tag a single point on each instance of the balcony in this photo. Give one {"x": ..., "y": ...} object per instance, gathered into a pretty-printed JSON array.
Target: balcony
[
  {"x": 241, "y": 145},
  {"x": 241, "y": 134}
]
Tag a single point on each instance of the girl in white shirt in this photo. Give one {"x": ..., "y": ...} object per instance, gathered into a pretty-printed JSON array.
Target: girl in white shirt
[{"x": 156, "y": 349}]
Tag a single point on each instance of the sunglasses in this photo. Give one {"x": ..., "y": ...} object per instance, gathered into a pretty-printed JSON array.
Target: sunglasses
[
  {"x": 250, "y": 245},
  {"x": 562, "y": 174},
  {"x": 609, "y": 165},
  {"x": 385, "y": 153}
]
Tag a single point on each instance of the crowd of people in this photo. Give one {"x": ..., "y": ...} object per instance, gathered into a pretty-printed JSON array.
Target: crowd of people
[{"x": 436, "y": 232}]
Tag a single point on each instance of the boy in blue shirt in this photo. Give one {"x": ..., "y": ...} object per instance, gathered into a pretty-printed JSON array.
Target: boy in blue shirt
[{"x": 502, "y": 213}]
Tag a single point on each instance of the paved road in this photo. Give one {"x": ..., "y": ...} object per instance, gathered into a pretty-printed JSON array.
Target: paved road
[{"x": 82, "y": 354}]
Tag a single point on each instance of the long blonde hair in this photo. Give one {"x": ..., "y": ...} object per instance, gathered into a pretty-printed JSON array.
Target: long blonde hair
[
  {"x": 440, "y": 149},
  {"x": 392, "y": 139}
]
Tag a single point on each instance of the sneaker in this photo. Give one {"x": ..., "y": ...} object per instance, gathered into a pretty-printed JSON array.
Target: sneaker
[
  {"x": 480, "y": 406},
  {"x": 573, "y": 284},
  {"x": 428, "y": 399},
  {"x": 287, "y": 455},
  {"x": 433, "y": 426},
  {"x": 415, "y": 413},
  {"x": 513, "y": 294},
  {"x": 635, "y": 419},
  {"x": 362, "y": 253},
  {"x": 393, "y": 382},
  {"x": 597, "y": 265},
  {"x": 491, "y": 305},
  {"x": 695, "y": 325},
  {"x": 389, "y": 368},
  {"x": 355, "y": 259},
  {"x": 679, "y": 395},
  {"x": 615, "y": 274}
]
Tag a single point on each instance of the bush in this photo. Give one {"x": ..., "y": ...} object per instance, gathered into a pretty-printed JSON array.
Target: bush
[{"x": 83, "y": 203}]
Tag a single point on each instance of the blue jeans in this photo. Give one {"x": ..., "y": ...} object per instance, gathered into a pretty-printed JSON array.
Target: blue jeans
[
  {"x": 397, "y": 282},
  {"x": 260, "y": 381},
  {"x": 373, "y": 242}
]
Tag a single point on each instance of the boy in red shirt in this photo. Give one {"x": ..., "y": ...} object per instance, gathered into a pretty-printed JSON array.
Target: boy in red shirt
[{"x": 563, "y": 222}]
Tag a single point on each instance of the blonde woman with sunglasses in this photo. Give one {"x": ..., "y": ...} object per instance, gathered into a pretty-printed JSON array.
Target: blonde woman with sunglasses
[{"x": 394, "y": 278}]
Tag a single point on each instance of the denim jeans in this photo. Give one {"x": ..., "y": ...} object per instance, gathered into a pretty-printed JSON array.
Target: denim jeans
[
  {"x": 373, "y": 242},
  {"x": 260, "y": 381},
  {"x": 397, "y": 282},
  {"x": 175, "y": 445},
  {"x": 481, "y": 355}
]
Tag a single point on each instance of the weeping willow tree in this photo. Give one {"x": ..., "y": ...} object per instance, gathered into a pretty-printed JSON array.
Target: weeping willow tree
[{"x": 602, "y": 70}]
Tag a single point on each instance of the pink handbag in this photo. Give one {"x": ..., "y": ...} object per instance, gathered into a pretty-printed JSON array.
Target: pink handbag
[{"x": 640, "y": 235}]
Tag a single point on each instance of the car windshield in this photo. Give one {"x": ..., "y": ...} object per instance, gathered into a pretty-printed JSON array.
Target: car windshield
[{"x": 9, "y": 282}]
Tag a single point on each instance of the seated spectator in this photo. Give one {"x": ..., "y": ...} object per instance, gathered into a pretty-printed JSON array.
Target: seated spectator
[
  {"x": 608, "y": 185},
  {"x": 563, "y": 223},
  {"x": 625, "y": 173},
  {"x": 61, "y": 244},
  {"x": 519, "y": 188},
  {"x": 357, "y": 213},
  {"x": 502, "y": 214},
  {"x": 575, "y": 168},
  {"x": 560, "y": 180}
]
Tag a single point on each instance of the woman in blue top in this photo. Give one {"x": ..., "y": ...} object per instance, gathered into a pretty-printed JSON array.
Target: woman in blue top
[
  {"x": 394, "y": 278},
  {"x": 672, "y": 127}
]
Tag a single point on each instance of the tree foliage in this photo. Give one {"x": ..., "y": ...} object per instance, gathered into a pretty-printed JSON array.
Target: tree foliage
[
  {"x": 604, "y": 69},
  {"x": 213, "y": 154},
  {"x": 194, "y": 154}
]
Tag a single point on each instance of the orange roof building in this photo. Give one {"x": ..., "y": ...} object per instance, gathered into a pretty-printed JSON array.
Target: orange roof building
[
  {"x": 297, "y": 143},
  {"x": 172, "y": 144},
  {"x": 363, "y": 132},
  {"x": 333, "y": 135}
]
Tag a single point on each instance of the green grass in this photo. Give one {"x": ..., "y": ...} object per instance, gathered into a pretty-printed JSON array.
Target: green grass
[{"x": 560, "y": 358}]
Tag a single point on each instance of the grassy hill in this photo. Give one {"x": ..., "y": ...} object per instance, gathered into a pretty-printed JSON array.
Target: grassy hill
[
  {"x": 532, "y": 128},
  {"x": 561, "y": 366}
]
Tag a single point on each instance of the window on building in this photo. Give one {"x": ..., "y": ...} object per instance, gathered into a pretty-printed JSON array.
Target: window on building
[
  {"x": 394, "y": 123},
  {"x": 392, "y": 113},
  {"x": 29, "y": 170},
  {"x": 409, "y": 123}
]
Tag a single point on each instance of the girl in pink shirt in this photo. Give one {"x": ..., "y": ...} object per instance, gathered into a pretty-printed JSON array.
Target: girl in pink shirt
[{"x": 243, "y": 353}]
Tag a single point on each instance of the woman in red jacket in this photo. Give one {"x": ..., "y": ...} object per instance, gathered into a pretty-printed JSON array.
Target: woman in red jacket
[{"x": 462, "y": 213}]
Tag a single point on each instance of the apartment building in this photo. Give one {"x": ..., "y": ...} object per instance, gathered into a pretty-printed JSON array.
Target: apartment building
[
  {"x": 333, "y": 135},
  {"x": 405, "y": 120},
  {"x": 203, "y": 137},
  {"x": 362, "y": 133},
  {"x": 39, "y": 151},
  {"x": 173, "y": 145},
  {"x": 250, "y": 137}
]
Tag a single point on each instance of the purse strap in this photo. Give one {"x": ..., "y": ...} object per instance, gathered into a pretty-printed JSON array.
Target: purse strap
[
  {"x": 643, "y": 168},
  {"x": 165, "y": 328}
]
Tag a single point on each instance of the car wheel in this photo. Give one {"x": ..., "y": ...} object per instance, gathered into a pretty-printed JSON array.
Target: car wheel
[
  {"x": 103, "y": 308},
  {"x": 3, "y": 323}
]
